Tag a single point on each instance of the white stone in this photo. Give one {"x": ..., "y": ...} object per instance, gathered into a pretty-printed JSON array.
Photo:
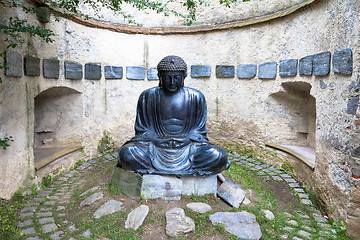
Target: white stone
[
  {"x": 91, "y": 199},
  {"x": 246, "y": 201},
  {"x": 156, "y": 186},
  {"x": 136, "y": 217},
  {"x": 231, "y": 193},
  {"x": 177, "y": 223},
  {"x": 89, "y": 191},
  {"x": 109, "y": 207},
  {"x": 199, "y": 207},
  {"x": 268, "y": 214}
]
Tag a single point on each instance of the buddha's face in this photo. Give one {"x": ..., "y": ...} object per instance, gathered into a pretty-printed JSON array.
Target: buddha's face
[{"x": 172, "y": 81}]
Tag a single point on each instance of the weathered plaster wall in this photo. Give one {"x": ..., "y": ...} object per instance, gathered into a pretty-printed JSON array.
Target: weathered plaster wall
[{"x": 238, "y": 110}]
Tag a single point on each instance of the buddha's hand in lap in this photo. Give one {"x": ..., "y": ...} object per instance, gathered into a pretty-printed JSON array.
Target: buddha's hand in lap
[{"x": 171, "y": 142}]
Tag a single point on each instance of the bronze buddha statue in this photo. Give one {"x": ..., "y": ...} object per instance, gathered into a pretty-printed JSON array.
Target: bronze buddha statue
[{"x": 170, "y": 131}]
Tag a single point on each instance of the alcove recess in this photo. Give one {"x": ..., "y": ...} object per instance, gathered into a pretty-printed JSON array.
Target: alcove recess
[
  {"x": 58, "y": 119},
  {"x": 295, "y": 114}
]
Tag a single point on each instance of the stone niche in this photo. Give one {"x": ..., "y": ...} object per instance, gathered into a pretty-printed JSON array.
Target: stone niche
[
  {"x": 58, "y": 114},
  {"x": 294, "y": 112}
]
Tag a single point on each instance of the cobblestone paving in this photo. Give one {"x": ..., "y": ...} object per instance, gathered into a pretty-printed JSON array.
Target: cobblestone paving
[{"x": 43, "y": 217}]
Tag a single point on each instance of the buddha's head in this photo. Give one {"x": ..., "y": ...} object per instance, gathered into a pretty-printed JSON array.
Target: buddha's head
[{"x": 172, "y": 72}]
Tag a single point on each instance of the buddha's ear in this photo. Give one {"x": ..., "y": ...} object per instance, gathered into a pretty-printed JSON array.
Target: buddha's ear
[{"x": 160, "y": 79}]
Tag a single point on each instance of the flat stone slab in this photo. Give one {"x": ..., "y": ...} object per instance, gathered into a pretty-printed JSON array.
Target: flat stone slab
[
  {"x": 241, "y": 224},
  {"x": 113, "y": 72},
  {"x": 268, "y": 214},
  {"x": 91, "y": 199},
  {"x": 86, "y": 234},
  {"x": 231, "y": 193},
  {"x": 199, "y": 207},
  {"x": 225, "y": 71},
  {"x": 152, "y": 74},
  {"x": 46, "y": 220},
  {"x": 14, "y": 64},
  {"x": 199, "y": 185},
  {"x": 25, "y": 223},
  {"x": 32, "y": 66},
  {"x": 177, "y": 223},
  {"x": 156, "y": 186},
  {"x": 49, "y": 227},
  {"x": 246, "y": 70},
  {"x": 92, "y": 71},
  {"x": 198, "y": 71},
  {"x": 321, "y": 63},
  {"x": 267, "y": 70},
  {"x": 73, "y": 70},
  {"x": 107, "y": 208},
  {"x": 288, "y": 68},
  {"x": 306, "y": 66},
  {"x": 93, "y": 189},
  {"x": 136, "y": 217},
  {"x": 342, "y": 61},
  {"x": 135, "y": 73}
]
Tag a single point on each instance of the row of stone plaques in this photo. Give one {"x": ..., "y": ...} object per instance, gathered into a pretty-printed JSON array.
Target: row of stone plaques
[{"x": 317, "y": 65}]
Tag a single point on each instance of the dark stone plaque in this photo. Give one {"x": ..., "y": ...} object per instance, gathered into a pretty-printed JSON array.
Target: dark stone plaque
[
  {"x": 13, "y": 61},
  {"x": 321, "y": 63},
  {"x": 246, "y": 70},
  {"x": 288, "y": 68},
  {"x": 225, "y": 71},
  {"x": 51, "y": 68},
  {"x": 352, "y": 105},
  {"x": 135, "y": 73},
  {"x": 267, "y": 70},
  {"x": 73, "y": 71},
  {"x": 127, "y": 182},
  {"x": 198, "y": 71},
  {"x": 32, "y": 66},
  {"x": 343, "y": 62},
  {"x": 113, "y": 72},
  {"x": 92, "y": 71},
  {"x": 306, "y": 66},
  {"x": 152, "y": 74}
]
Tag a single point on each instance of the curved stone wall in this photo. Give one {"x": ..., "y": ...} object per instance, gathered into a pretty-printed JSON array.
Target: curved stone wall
[{"x": 252, "y": 110}]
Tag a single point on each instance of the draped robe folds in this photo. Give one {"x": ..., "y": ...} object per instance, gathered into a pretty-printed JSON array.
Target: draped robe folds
[{"x": 199, "y": 157}]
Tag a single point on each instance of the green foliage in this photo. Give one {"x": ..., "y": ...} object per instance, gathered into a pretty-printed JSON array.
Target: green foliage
[
  {"x": 338, "y": 227},
  {"x": 34, "y": 189},
  {"x": 46, "y": 181},
  {"x": 4, "y": 142},
  {"x": 106, "y": 144},
  {"x": 8, "y": 220}
]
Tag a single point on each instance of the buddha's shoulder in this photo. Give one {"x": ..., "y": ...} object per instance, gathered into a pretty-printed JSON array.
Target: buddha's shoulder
[
  {"x": 150, "y": 91},
  {"x": 194, "y": 91}
]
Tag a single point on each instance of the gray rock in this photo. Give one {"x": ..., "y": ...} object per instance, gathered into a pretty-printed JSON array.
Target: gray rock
[
  {"x": 246, "y": 70},
  {"x": 73, "y": 70},
  {"x": 28, "y": 231},
  {"x": 25, "y": 223},
  {"x": 28, "y": 209},
  {"x": 93, "y": 189},
  {"x": 246, "y": 201},
  {"x": 288, "y": 68},
  {"x": 306, "y": 66},
  {"x": 199, "y": 185},
  {"x": 14, "y": 64},
  {"x": 268, "y": 214},
  {"x": 109, "y": 207},
  {"x": 319, "y": 218},
  {"x": 299, "y": 190},
  {"x": 72, "y": 228},
  {"x": 323, "y": 85},
  {"x": 113, "y": 72},
  {"x": 342, "y": 61},
  {"x": 303, "y": 195},
  {"x": 306, "y": 201},
  {"x": 352, "y": 105},
  {"x": 156, "y": 186},
  {"x": 26, "y": 215},
  {"x": 135, "y": 73},
  {"x": 199, "y": 207},
  {"x": 267, "y": 70},
  {"x": 86, "y": 234},
  {"x": 231, "y": 193},
  {"x": 49, "y": 203},
  {"x": 241, "y": 224},
  {"x": 92, "y": 71},
  {"x": 294, "y": 185},
  {"x": 292, "y": 222},
  {"x": 225, "y": 71},
  {"x": 49, "y": 227},
  {"x": 221, "y": 178},
  {"x": 43, "y": 221},
  {"x": 177, "y": 223},
  {"x": 198, "y": 71},
  {"x": 321, "y": 63},
  {"x": 33, "y": 238},
  {"x": 51, "y": 68},
  {"x": 136, "y": 217},
  {"x": 305, "y": 234},
  {"x": 127, "y": 182},
  {"x": 56, "y": 235},
  {"x": 32, "y": 66},
  {"x": 152, "y": 74},
  {"x": 60, "y": 208},
  {"x": 91, "y": 199}
]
